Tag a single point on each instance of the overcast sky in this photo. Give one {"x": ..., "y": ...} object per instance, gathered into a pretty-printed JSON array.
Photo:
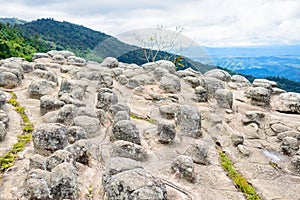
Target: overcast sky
[{"x": 208, "y": 22}]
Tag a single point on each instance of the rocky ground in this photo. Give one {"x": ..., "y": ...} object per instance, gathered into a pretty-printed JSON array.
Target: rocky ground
[{"x": 122, "y": 131}]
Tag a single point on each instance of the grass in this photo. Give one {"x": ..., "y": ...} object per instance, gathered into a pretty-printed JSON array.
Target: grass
[
  {"x": 147, "y": 119},
  {"x": 8, "y": 159},
  {"x": 238, "y": 179}
]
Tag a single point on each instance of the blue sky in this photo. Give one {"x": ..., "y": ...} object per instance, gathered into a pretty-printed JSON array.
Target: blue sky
[{"x": 208, "y": 22}]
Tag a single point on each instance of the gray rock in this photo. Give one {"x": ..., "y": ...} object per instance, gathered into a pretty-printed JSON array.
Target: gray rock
[
  {"x": 277, "y": 91},
  {"x": 189, "y": 121},
  {"x": 198, "y": 151},
  {"x": 40, "y": 66},
  {"x": 121, "y": 115},
  {"x": 184, "y": 166},
  {"x": 58, "y": 59},
  {"x": 37, "y": 162},
  {"x": 135, "y": 82},
  {"x": 48, "y": 138},
  {"x": 224, "y": 98},
  {"x": 80, "y": 151},
  {"x": 63, "y": 182},
  {"x": 8, "y": 80},
  {"x": 218, "y": 74},
  {"x": 237, "y": 139},
  {"x": 168, "y": 65},
  {"x": 212, "y": 85},
  {"x": 239, "y": 81},
  {"x": 125, "y": 130},
  {"x": 4, "y": 118},
  {"x": 159, "y": 73},
  {"x": 201, "y": 94},
  {"x": 40, "y": 55},
  {"x": 86, "y": 111},
  {"x": 166, "y": 132},
  {"x": 253, "y": 117},
  {"x": 135, "y": 184},
  {"x": 288, "y": 102},
  {"x": 58, "y": 157},
  {"x": 90, "y": 124},
  {"x": 105, "y": 99},
  {"x": 289, "y": 145},
  {"x": 264, "y": 83},
  {"x": 67, "y": 114},
  {"x": 36, "y": 185},
  {"x": 193, "y": 81},
  {"x": 68, "y": 99},
  {"x": 130, "y": 150},
  {"x": 122, "y": 80},
  {"x": 49, "y": 103},
  {"x": 2, "y": 99},
  {"x": 3, "y": 131},
  {"x": 73, "y": 60},
  {"x": 279, "y": 128},
  {"x": 105, "y": 81},
  {"x": 243, "y": 150},
  {"x": 75, "y": 133},
  {"x": 292, "y": 133},
  {"x": 169, "y": 111},
  {"x": 296, "y": 162},
  {"x": 110, "y": 62},
  {"x": 170, "y": 83},
  {"x": 64, "y": 53},
  {"x": 39, "y": 88},
  {"x": 27, "y": 67},
  {"x": 259, "y": 96}
]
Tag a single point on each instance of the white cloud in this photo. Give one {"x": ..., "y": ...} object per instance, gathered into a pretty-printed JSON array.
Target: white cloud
[{"x": 209, "y": 22}]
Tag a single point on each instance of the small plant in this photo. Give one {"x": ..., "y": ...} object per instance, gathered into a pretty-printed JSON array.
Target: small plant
[
  {"x": 147, "y": 119},
  {"x": 238, "y": 179}
]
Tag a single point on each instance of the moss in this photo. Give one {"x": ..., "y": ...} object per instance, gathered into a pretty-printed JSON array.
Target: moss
[
  {"x": 147, "y": 119},
  {"x": 238, "y": 179}
]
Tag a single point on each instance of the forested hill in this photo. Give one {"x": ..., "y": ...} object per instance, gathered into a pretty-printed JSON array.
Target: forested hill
[{"x": 90, "y": 44}]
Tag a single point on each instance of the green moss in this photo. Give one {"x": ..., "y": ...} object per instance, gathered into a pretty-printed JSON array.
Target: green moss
[
  {"x": 147, "y": 119},
  {"x": 238, "y": 179}
]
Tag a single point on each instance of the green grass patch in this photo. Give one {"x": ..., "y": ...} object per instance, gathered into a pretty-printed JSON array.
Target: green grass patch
[
  {"x": 238, "y": 179},
  {"x": 8, "y": 159},
  {"x": 147, "y": 119}
]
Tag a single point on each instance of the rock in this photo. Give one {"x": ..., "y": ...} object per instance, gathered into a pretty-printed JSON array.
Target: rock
[
  {"x": 238, "y": 81},
  {"x": 198, "y": 151},
  {"x": 135, "y": 82},
  {"x": 58, "y": 59},
  {"x": 170, "y": 83},
  {"x": 40, "y": 66},
  {"x": 218, "y": 74},
  {"x": 68, "y": 99},
  {"x": 159, "y": 73},
  {"x": 63, "y": 180},
  {"x": 168, "y": 65},
  {"x": 184, "y": 166},
  {"x": 40, "y": 55},
  {"x": 121, "y": 115},
  {"x": 27, "y": 67},
  {"x": 125, "y": 130},
  {"x": 39, "y": 88},
  {"x": 201, "y": 94},
  {"x": 253, "y": 117},
  {"x": 187, "y": 72},
  {"x": 237, "y": 139},
  {"x": 128, "y": 150},
  {"x": 279, "y": 128},
  {"x": 264, "y": 83},
  {"x": 277, "y": 91},
  {"x": 122, "y": 80},
  {"x": 2, "y": 99},
  {"x": 90, "y": 124},
  {"x": 169, "y": 111},
  {"x": 292, "y": 133},
  {"x": 105, "y": 81},
  {"x": 58, "y": 157},
  {"x": 49, "y": 103},
  {"x": 48, "y": 138},
  {"x": 212, "y": 85},
  {"x": 224, "y": 98},
  {"x": 80, "y": 151},
  {"x": 37, "y": 184},
  {"x": 73, "y": 60},
  {"x": 115, "y": 108},
  {"x": 3, "y": 131},
  {"x": 75, "y": 133},
  {"x": 296, "y": 162},
  {"x": 8, "y": 80},
  {"x": 189, "y": 121},
  {"x": 193, "y": 81},
  {"x": 288, "y": 102},
  {"x": 64, "y": 53},
  {"x": 86, "y": 111},
  {"x": 106, "y": 98},
  {"x": 166, "y": 132},
  {"x": 243, "y": 149},
  {"x": 67, "y": 114},
  {"x": 259, "y": 96},
  {"x": 37, "y": 162},
  {"x": 289, "y": 145},
  {"x": 110, "y": 62},
  {"x": 4, "y": 118}
]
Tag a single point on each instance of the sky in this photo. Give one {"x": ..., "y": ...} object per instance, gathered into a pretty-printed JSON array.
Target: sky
[{"x": 215, "y": 23}]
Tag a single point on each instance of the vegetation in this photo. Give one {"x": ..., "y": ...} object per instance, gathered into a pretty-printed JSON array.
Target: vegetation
[
  {"x": 147, "y": 119},
  {"x": 238, "y": 179},
  {"x": 8, "y": 159}
]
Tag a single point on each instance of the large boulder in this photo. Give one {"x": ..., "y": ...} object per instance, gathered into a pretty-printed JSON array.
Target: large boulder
[
  {"x": 40, "y": 55},
  {"x": 289, "y": 145},
  {"x": 8, "y": 79},
  {"x": 48, "y": 138},
  {"x": 264, "y": 83},
  {"x": 218, "y": 74},
  {"x": 259, "y": 96},
  {"x": 90, "y": 124},
  {"x": 80, "y": 151},
  {"x": 166, "y": 132},
  {"x": 224, "y": 98},
  {"x": 170, "y": 83},
  {"x": 201, "y": 94},
  {"x": 67, "y": 114},
  {"x": 128, "y": 150},
  {"x": 106, "y": 98},
  {"x": 125, "y": 130},
  {"x": 39, "y": 88},
  {"x": 58, "y": 157},
  {"x": 238, "y": 81},
  {"x": 198, "y": 151},
  {"x": 189, "y": 121},
  {"x": 169, "y": 111},
  {"x": 184, "y": 167},
  {"x": 288, "y": 102},
  {"x": 212, "y": 84},
  {"x": 49, "y": 103},
  {"x": 253, "y": 117},
  {"x": 110, "y": 62}
]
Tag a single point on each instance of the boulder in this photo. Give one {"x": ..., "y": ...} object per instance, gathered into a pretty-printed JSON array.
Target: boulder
[
  {"x": 166, "y": 132},
  {"x": 105, "y": 81},
  {"x": 238, "y": 81},
  {"x": 253, "y": 117},
  {"x": 73, "y": 60},
  {"x": 288, "y": 102},
  {"x": 184, "y": 167},
  {"x": 259, "y": 96},
  {"x": 170, "y": 83},
  {"x": 122, "y": 79},
  {"x": 198, "y": 151},
  {"x": 75, "y": 133},
  {"x": 3, "y": 131},
  {"x": 40, "y": 55},
  {"x": 224, "y": 98},
  {"x": 40, "y": 66},
  {"x": 58, "y": 157},
  {"x": 2, "y": 99},
  {"x": 292, "y": 133},
  {"x": 243, "y": 150},
  {"x": 58, "y": 59},
  {"x": 130, "y": 150},
  {"x": 289, "y": 145},
  {"x": 135, "y": 82},
  {"x": 27, "y": 67},
  {"x": 69, "y": 99},
  {"x": 212, "y": 84},
  {"x": 125, "y": 130},
  {"x": 189, "y": 121},
  {"x": 8, "y": 79},
  {"x": 90, "y": 124},
  {"x": 218, "y": 74},
  {"x": 64, "y": 53},
  {"x": 201, "y": 94},
  {"x": 37, "y": 162},
  {"x": 67, "y": 114},
  {"x": 279, "y": 128},
  {"x": 39, "y": 88},
  {"x": 110, "y": 62},
  {"x": 121, "y": 115},
  {"x": 193, "y": 81},
  {"x": 63, "y": 182},
  {"x": 264, "y": 83},
  {"x": 48, "y": 138},
  {"x": 296, "y": 162},
  {"x": 159, "y": 73},
  {"x": 106, "y": 98},
  {"x": 4, "y": 118},
  {"x": 237, "y": 139},
  {"x": 169, "y": 111},
  {"x": 49, "y": 103},
  {"x": 80, "y": 151},
  {"x": 115, "y": 108}
]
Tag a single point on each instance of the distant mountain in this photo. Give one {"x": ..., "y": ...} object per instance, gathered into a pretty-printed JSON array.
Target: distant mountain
[{"x": 12, "y": 21}]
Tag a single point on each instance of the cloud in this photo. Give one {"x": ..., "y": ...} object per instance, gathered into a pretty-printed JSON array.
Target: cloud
[{"x": 213, "y": 23}]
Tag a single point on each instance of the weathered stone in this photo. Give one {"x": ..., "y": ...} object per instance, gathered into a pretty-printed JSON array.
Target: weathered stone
[
  {"x": 130, "y": 150},
  {"x": 184, "y": 166},
  {"x": 159, "y": 73},
  {"x": 39, "y": 88},
  {"x": 170, "y": 83},
  {"x": 40, "y": 55},
  {"x": 4, "y": 118},
  {"x": 125, "y": 130},
  {"x": 2, "y": 99},
  {"x": 73, "y": 60},
  {"x": 259, "y": 96},
  {"x": 80, "y": 151},
  {"x": 289, "y": 145},
  {"x": 40, "y": 66},
  {"x": 279, "y": 128},
  {"x": 253, "y": 117},
  {"x": 64, "y": 53},
  {"x": 166, "y": 132},
  {"x": 105, "y": 81},
  {"x": 187, "y": 72},
  {"x": 296, "y": 162},
  {"x": 201, "y": 94},
  {"x": 122, "y": 80},
  {"x": 3, "y": 131},
  {"x": 58, "y": 157},
  {"x": 277, "y": 91},
  {"x": 212, "y": 85},
  {"x": 243, "y": 149},
  {"x": 292, "y": 133},
  {"x": 189, "y": 121},
  {"x": 198, "y": 151},
  {"x": 238, "y": 81},
  {"x": 48, "y": 138},
  {"x": 106, "y": 98},
  {"x": 67, "y": 114},
  {"x": 193, "y": 81},
  {"x": 75, "y": 133},
  {"x": 169, "y": 111},
  {"x": 121, "y": 115},
  {"x": 68, "y": 99},
  {"x": 90, "y": 124},
  {"x": 224, "y": 98},
  {"x": 135, "y": 82},
  {"x": 37, "y": 162},
  {"x": 58, "y": 59},
  {"x": 288, "y": 102},
  {"x": 27, "y": 67},
  {"x": 264, "y": 83},
  {"x": 218, "y": 74},
  {"x": 110, "y": 62},
  {"x": 63, "y": 182},
  {"x": 8, "y": 80},
  {"x": 49, "y": 103},
  {"x": 237, "y": 139}
]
